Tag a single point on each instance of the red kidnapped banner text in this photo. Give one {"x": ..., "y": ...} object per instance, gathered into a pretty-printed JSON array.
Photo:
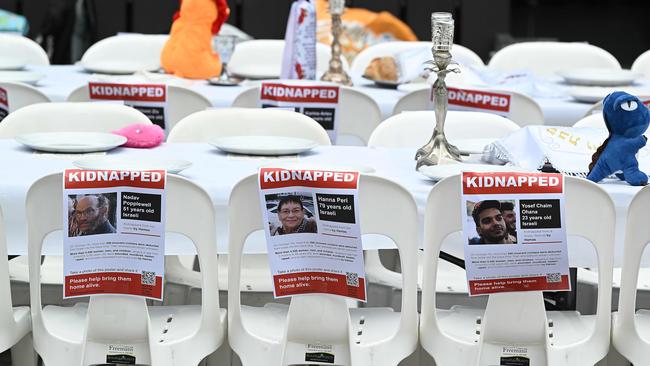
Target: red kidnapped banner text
[
  {"x": 114, "y": 178},
  {"x": 303, "y": 94},
  {"x": 479, "y": 99},
  {"x": 280, "y": 178},
  {"x": 511, "y": 183},
  {"x": 4, "y": 100},
  {"x": 132, "y": 92}
]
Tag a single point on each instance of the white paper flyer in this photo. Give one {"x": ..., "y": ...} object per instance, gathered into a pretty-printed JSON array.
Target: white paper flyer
[
  {"x": 320, "y": 102},
  {"x": 115, "y": 239},
  {"x": 514, "y": 230},
  {"x": 4, "y": 103},
  {"x": 312, "y": 231},
  {"x": 150, "y": 99},
  {"x": 299, "y": 58}
]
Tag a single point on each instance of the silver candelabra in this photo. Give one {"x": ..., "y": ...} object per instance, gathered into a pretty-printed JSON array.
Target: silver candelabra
[
  {"x": 335, "y": 73},
  {"x": 438, "y": 148}
]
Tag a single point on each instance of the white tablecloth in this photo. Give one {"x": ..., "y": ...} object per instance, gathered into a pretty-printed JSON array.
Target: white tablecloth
[
  {"x": 61, "y": 80},
  {"x": 218, "y": 173}
]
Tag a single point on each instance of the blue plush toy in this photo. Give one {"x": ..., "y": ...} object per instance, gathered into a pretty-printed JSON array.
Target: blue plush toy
[{"x": 626, "y": 119}]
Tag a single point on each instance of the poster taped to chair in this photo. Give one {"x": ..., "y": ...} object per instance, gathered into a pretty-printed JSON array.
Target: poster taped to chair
[
  {"x": 312, "y": 231},
  {"x": 114, "y": 232},
  {"x": 150, "y": 99},
  {"x": 320, "y": 102},
  {"x": 514, "y": 232},
  {"x": 4, "y": 103},
  {"x": 477, "y": 100}
]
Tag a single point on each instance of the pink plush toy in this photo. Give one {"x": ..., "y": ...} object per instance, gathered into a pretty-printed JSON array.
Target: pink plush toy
[{"x": 141, "y": 135}]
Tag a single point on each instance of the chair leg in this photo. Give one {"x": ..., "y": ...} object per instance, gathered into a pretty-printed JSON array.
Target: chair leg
[{"x": 22, "y": 353}]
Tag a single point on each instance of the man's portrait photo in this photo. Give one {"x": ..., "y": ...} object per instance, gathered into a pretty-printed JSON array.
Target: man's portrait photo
[
  {"x": 491, "y": 224},
  {"x": 91, "y": 214},
  {"x": 291, "y": 214}
]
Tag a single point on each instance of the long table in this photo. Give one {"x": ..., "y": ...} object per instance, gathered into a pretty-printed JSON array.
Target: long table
[
  {"x": 61, "y": 80},
  {"x": 218, "y": 172}
]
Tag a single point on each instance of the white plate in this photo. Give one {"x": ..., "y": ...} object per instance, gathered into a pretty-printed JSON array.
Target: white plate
[
  {"x": 263, "y": 145},
  {"x": 71, "y": 142},
  {"x": 595, "y": 94},
  {"x": 599, "y": 77},
  {"x": 11, "y": 64},
  {"x": 261, "y": 71},
  {"x": 118, "y": 67},
  {"x": 438, "y": 172},
  {"x": 21, "y": 76},
  {"x": 407, "y": 88},
  {"x": 383, "y": 83},
  {"x": 471, "y": 146},
  {"x": 122, "y": 163}
]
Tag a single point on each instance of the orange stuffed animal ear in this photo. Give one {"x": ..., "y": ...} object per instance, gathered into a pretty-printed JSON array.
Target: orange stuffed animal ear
[{"x": 188, "y": 51}]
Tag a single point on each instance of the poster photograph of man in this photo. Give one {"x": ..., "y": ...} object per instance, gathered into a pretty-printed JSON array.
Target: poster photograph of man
[
  {"x": 495, "y": 221},
  {"x": 291, "y": 213},
  {"x": 91, "y": 214}
]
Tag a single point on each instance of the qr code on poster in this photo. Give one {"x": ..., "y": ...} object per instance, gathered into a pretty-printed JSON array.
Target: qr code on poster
[
  {"x": 148, "y": 278},
  {"x": 553, "y": 277},
  {"x": 352, "y": 279}
]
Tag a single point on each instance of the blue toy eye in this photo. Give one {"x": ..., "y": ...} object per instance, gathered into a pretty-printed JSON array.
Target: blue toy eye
[{"x": 629, "y": 106}]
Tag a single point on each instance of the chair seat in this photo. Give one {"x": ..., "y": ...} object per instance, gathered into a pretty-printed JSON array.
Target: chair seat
[
  {"x": 23, "y": 326},
  {"x": 51, "y": 270},
  {"x": 568, "y": 326},
  {"x": 642, "y": 323},
  {"x": 270, "y": 321},
  {"x": 68, "y": 323}
]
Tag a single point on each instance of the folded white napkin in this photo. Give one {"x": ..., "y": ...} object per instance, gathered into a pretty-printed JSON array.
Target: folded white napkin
[{"x": 567, "y": 149}]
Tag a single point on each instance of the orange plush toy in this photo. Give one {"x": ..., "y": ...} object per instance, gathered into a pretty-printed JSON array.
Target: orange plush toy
[{"x": 188, "y": 51}]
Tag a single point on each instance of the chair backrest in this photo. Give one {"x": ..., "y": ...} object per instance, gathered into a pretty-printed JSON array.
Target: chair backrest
[
  {"x": 181, "y": 102},
  {"x": 23, "y": 49},
  {"x": 352, "y": 104},
  {"x": 642, "y": 64},
  {"x": 244, "y": 60},
  {"x": 245, "y": 218},
  {"x": 140, "y": 49},
  {"x": 586, "y": 203},
  {"x": 594, "y": 120},
  {"x": 461, "y": 54},
  {"x": 414, "y": 129},
  {"x": 523, "y": 109},
  {"x": 44, "y": 215},
  {"x": 21, "y": 95},
  {"x": 205, "y": 125},
  {"x": 626, "y": 335},
  {"x": 547, "y": 58},
  {"x": 9, "y": 335},
  {"x": 597, "y": 108},
  {"x": 69, "y": 117}
]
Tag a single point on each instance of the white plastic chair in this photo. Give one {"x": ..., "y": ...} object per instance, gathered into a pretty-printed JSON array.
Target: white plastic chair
[
  {"x": 352, "y": 129},
  {"x": 414, "y": 129},
  {"x": 21, "y": 95},
  {"x": 205, "y": 125},
  {"x": 277, "y": 335},
  {"x": 523, "y": 109},
  {"x": 23, "y": 49},
  {"x": 139, "y": 51},
  {"x": 181, "y": 102},
  {"x": 465, "y": 336},
  {"x": 161, "y": 335},
  {"x": 15, "y": 322},
  {"x": 594, "y": 120},
  {"x": 245, "y": 59},
  {"x": 547, "y": 58},
  {"x": 631, "y": 327},
  {"x": 642, "y": 64},
  {"x": 69, "y": 117}
]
